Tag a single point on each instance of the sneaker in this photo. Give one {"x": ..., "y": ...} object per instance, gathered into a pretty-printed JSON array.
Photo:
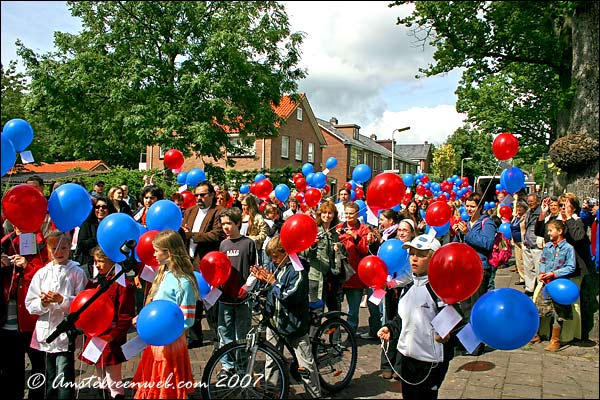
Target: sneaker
[
  {"x": 387, "y": 374},
  {"x": 368, "y": 336}
]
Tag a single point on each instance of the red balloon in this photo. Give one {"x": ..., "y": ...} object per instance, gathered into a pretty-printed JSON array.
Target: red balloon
[
  {"x": 385, "y": 191},
  {"x": 312, "y": 197},
  {"x": 300, "y": 183},
  {"x": 145, "y": 250},
  {"x": 455, "y": 272},
  {"x": 506, "y": 212},
  {"x": 420, "y": 189},
  {"x": 327, "y": 189},
  {"x": 215, "y": 267},
  {"x": 298, "y": 233},
  {"x": 262, "y": 206},
  {"x": 438, "y": 213},
  {"x": 264, "y": 187},
  {"x": 304, "y": 207},
  {"x": 505, "y": 146},
  {"x": 373, "y": 271},
  {"x": 300, "y": 197},
  {"x": 96, "y": 318},
  {"x": 25, "y": 207},
  {"x": 359, "y": 192},
  {"x": 347, "y": 185},
  {"x": 174, "y": 159},
  {"x": 297, "y": 176},
  {"x": 189, "y": 200}
]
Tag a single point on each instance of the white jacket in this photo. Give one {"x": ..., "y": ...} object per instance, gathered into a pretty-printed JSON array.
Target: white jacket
[
  {"x": 417, "y": 336},
  {"x": 68, "y": 280}
]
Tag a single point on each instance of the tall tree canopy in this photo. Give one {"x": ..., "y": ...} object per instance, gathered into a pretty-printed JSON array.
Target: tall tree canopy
[
  {"x": 177, "y": 74},
  {"x": 529, "y": 67}
]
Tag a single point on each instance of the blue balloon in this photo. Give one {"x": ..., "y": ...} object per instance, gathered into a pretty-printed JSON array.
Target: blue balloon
[
  {"x": 282, "y": 192},
  {"x": 310, "y": 179},
  {"x": 163, "y": 215},
  {"x": 9, "y": 155},
  {"x": 362, "y": 208},
  {"x": 512, "y": 179},
  {"x": 203, "y": 286},
  {"x": 114, "y": 230},
  {"x": 19, "y": 132},
  {"x": 422, "y": 213},
  {"x": 439, "y": 230},
  {"x": 319, "y": 180},
  {"x": 464, "y": 216},
  {"x": 361, "y": 173},
  {"x": 394, "y": 256},
  {"x": 408, "y": 180},
  {"x": 259, "y": 177},
  {"x": 245, "y": 189},
  {"x": 160, "y": 322},
  {"x": 331, "y": 163},
  {"x": 69, "y": 205},
  {"x": 563, "y": 291},
  {"x": 504, "y": 228},
  {"x": 352, "y": 195},
  {"x": 194, "y": 177},
  {"x": 308, "y": 168},
  {"x": 505, "y": 319},
  {"x": 182, "y": 178}
]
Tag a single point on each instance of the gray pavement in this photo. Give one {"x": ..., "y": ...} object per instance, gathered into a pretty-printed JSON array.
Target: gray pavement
[{"x": 528, "y": 372}]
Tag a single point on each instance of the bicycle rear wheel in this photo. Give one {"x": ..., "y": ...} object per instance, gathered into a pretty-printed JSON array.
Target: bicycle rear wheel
[
  {"x": 259, "y": 374},
  {"x": 335, "y": 352}
]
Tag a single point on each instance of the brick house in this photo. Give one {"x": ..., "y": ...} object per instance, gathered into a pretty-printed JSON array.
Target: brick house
[
  {"x": 299, "y": 141},
  {"x": 419, "y": 153},
  {"x": 53, "y": 172},
  {"x": 350, "y": 148}
]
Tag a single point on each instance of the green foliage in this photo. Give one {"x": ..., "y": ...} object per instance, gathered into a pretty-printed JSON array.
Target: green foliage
[
  {"x": 445, "y": 161},
  {"x": 13, "y": 93},
  {"x": 176, "y": 74}
]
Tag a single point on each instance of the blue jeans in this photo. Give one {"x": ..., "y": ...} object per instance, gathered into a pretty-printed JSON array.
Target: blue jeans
[
  {"x": 375, "y": 314},
  {"x": 234, "y": 323},
  {"x": 60, "y": 375},
  {"x": 353, "y": 296}
]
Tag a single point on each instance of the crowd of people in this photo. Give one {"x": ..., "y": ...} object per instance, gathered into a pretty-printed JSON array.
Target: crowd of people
[{"x": 550, "y": 239}]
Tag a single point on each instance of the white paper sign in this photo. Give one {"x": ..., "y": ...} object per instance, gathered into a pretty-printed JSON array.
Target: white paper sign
[
  {"x": 94, "y": 349},
  {"x": 182, "y": 188},
  {"x": 26, "y": 157},
  {"x": 133, "y": 347},
  {"x": 468, "y": 338},
  {"x": 120, "y": 279},
  {"x": 371, "y": 217},
  {"x": 377, "y": 296},
  {"x": 296, "y": 262},
  {"x": 445, "y": 321},
  {"x": 211, "y": 298},
  {"x": 148, "y": 273},
  {"x": 27, "y": 244}
]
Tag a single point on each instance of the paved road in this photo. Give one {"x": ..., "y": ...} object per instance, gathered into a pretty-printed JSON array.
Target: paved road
[{"x": 529, "y": 372}]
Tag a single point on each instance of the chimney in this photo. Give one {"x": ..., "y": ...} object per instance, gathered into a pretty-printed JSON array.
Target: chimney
[
  {"x": 426, "y": 142},
  {"x": 333, "y": 121},
  {"x": 373, "y": 136}
]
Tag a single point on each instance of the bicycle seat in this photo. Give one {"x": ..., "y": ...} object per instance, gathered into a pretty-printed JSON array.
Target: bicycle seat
[{"x": 313, "y": 305}]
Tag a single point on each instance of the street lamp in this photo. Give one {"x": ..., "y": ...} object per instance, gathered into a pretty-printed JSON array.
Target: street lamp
[
  {"x": 462, "y": 164},
  {"x": 394, "y": 147}
]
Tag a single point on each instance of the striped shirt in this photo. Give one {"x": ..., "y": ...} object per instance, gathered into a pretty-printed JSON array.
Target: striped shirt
[{"x": 181, "y": 292}]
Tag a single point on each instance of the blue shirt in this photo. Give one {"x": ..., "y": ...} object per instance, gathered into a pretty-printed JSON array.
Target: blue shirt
[{"x": 181, "y": 292}]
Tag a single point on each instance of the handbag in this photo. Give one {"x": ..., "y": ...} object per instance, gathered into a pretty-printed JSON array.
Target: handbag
[{"x": 342, "y": 269}]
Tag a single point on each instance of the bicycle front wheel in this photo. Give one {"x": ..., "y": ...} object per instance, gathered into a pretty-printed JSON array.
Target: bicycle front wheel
[
  {"x": 335, "y": 352},
  {"x": 238, "y": 372}
]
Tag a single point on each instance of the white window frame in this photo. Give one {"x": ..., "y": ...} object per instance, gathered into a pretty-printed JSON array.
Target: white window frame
[
  {"x": 299, "y": 145},
  {"x": 285, "y": 147},
  {"x": 311, "y": 153},
  {"x": 161, "y": 153},
  {"x": 299, "y": 114},
  {"x": 245, "y": 151}
]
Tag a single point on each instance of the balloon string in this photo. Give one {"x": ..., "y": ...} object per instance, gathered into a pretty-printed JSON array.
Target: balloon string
[{"x": 488, "y": 186}]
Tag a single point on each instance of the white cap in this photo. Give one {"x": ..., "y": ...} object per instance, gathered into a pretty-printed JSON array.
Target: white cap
[{"x": 423, "y": 242}]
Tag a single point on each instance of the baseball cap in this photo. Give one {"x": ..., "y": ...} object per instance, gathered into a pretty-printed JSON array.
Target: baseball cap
[{"x": 423, "y": 242}]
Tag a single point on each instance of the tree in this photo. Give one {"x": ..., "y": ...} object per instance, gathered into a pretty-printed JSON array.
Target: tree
[
  {"x": 178, "y": 74},
  {"x": 529, "y": 67},
  {"x": 14, "y": 86},
  {"x": 445, "y": 161}
]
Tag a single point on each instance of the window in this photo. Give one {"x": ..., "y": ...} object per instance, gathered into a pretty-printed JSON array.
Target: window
[
  {"x": 161, "y": 153},
  {"x": 241, "y": 146},
  {"x": 299, "y": 114},
  {"x": 311, "y": 153},
  {"x": 298, "y": 150},
  {"x": 285, "y": 147}
]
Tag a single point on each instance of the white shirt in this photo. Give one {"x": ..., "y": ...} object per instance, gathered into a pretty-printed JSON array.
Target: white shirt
[
  {"x": 196, "y": 228},
  {"x": 417, "y": 337},
  {"x": 68, "y": 280}
]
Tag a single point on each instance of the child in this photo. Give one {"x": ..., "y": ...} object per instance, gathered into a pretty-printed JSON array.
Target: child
[
  {"x": 108, "y": 366},
  {"x": 274, "y": 223},
  {"x": 235, "y": 315},
  {"x": 175, "y": 281},
  {"x": 557, "y": 261},
  {"x": 423, "y": 355},
  {"x": 288, "y": 303},
  {"x": 50, "y": 294}
]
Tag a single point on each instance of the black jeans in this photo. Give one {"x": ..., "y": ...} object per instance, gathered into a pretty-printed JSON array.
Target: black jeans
[
  {"x": 14, "y": 345},
  {"x": 421, "y": 379},
  {"x": 60, "y": 375}
]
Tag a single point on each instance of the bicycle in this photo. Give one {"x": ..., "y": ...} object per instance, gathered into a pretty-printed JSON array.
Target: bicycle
[{"x": 262, "y": 371}]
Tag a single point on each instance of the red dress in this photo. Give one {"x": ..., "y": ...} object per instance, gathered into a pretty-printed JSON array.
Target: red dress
[{"x": 123, "y": 299}]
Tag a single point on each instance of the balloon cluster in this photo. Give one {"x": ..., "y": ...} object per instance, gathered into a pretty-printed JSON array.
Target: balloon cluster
[
  {"x": 17, "y": 135},
  {"x": 512, "y": 179},
  {"x": 174, "y": 160}
]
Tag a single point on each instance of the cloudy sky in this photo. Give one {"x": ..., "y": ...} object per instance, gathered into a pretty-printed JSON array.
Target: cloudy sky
[{"x": 361, "y": 65}]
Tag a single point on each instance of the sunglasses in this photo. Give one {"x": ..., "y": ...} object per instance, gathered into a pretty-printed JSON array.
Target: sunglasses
[
  {"x": 101, "y": 207},
  {"x": 201, "y": 194}
]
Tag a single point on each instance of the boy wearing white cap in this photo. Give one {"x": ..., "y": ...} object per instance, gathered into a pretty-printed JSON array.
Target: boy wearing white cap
[{"x": 424, "y": 355}]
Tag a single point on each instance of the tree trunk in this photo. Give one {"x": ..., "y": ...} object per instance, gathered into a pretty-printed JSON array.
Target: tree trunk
[{"x": 584, "y": 114}]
